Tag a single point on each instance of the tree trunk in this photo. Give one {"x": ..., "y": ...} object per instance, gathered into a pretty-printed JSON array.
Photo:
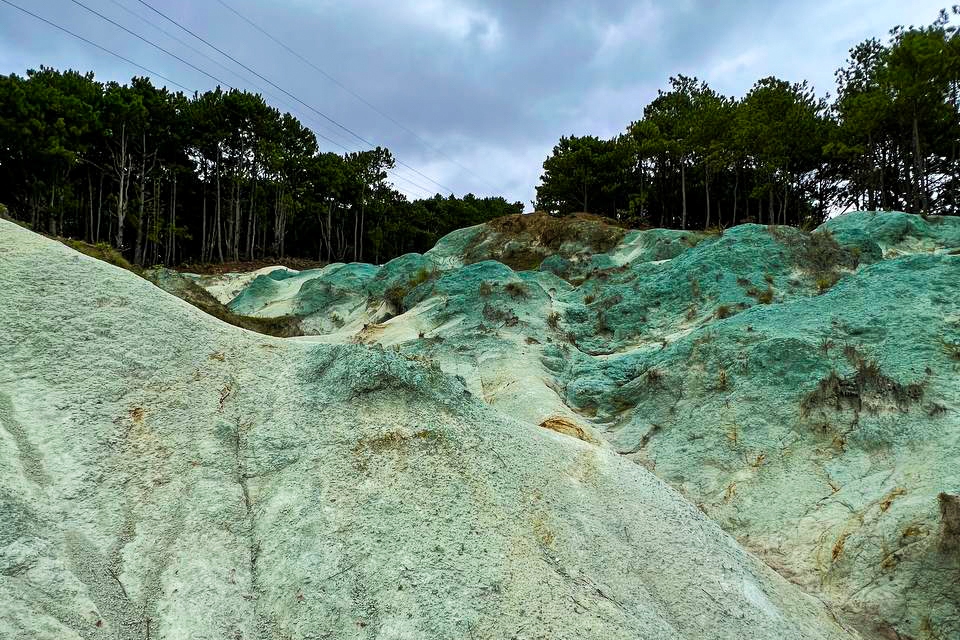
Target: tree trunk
[
  {"x": 362, "y": 211},
  {"x": 771, "y": 220},
  {"x": 203, "y": 228},
  {"x": 89, "y": 235},
  {"x": 706, "y": 184},
  {"x": 123, "y": 172},
  {"x": 137, "y": 256},
  {"x": 173, "y": 223},
  {"x": 736, "y": 187},
  {"x": 248, "y": 249},
  {"x": 330, "y": 231},
  {"x": 683, "y": 190},
  {"x": 96, "y": 237},
  {"x": 920, "y": 191},
  {"x": 218, "y": 221}
]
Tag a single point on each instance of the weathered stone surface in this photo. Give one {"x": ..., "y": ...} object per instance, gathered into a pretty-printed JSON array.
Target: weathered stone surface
[
  {"x": 165, "y": 475},
  {"x": 801, "y": 388}
]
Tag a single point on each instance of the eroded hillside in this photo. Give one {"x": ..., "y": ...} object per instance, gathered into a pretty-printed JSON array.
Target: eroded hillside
[
  {"x": 166, "y": 475},
  {"x": 801, "y": 389}
]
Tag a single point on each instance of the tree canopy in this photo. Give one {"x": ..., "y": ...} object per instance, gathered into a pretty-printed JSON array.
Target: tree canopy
[
  {"x": 221, "y": 175},
  {"x": 780, "y": 154}
]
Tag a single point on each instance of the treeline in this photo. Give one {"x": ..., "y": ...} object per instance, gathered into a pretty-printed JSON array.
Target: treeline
[
  {"x": 781, "y": 155},
  {"x": 168, "y": 178}
]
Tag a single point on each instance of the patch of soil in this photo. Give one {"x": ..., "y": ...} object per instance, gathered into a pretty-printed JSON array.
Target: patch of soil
[{"x": 218, "y": 268}]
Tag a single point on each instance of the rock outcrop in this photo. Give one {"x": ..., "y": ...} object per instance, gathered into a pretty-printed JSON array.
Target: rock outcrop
[
  {"x": 165, "y": 475},
  {"x": 800, "y": 388}
]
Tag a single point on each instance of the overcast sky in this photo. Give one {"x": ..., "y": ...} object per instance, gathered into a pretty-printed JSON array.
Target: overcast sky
[{"x": 487, "y": 87}]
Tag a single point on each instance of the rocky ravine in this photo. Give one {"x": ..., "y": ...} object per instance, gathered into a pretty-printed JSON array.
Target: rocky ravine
[
  {"x": 801, "y": 389},
  {"x": 165, "y": 475}
]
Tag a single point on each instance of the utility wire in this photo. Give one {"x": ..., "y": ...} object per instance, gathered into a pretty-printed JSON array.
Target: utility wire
[
  {"x": 156, "y": 74},
  {"x": 332, "y": 79},
  {"x": 228, "y": 70},
  {"x": 152, "y": 44},
  {"x": 94, "y": 44},
  {"x": 284, "y": 91},
  {"x": 186, "y": 44}
]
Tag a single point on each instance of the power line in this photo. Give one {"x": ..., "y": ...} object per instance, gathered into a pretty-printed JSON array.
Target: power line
[
  {"x": 351, "y": 92},
  {"x": 94, "y": 44},
  {"x": 285, "y": 92},
  {"x": 186, "y": 44},
  {"x": 152, "y": 44},
  {"x": 225, "y": 68},
  {"x": 162, "y": 77}
]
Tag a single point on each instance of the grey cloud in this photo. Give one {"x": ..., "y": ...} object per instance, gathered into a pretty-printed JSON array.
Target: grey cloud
[{"x": 493, "y": 84}]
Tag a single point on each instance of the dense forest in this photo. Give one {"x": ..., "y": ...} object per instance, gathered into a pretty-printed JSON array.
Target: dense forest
[
  {"x": 168, "y": 178},
  {"x": 890, "y": 140},
  {"x": 222, "y": 176}
]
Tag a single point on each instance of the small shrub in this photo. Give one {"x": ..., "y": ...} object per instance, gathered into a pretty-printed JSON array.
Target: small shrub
[
  {"x": 486, "y": 289},
  {"x": 103, "y": 251},
  {"x": 421, "y": 276},
  {"x": 504, "y": 316},
  {"x": 695, "y": 288},
  {"x": 517, "y": 290},
  {"x": 612, "y": 301},
  {"x": 851, "y": 353},
  {"x": 691, "y": 312},
  {"x": 337, "y": 320},
  {"x": 764, "y": 296},
  {"x": 723, "y": 380},
  {"x": 723, "y": 311},
  {"x": 602, "y": 327},
  {"x": 825, "y": 345},
  {"x": 395, "y": 295},
  {"x": 553, "y": 320},
  {"x": 654, "y": 377},
  {"x": 861, "y": 390},
  {"x": 768, "y": 278},
  {"x": 826, "y": 281},
  {"x": 952, "y": 349},
  {"x": 935, "y": 409},
  {"x": 589, "y": 298}
]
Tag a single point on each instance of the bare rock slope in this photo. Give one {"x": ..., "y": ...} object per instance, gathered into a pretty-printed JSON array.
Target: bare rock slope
[
  {"x": 165, "y": 475},
  {"x": 800, "y": 388}
]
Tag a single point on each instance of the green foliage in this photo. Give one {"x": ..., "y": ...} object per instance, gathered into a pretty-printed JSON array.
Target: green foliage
[
  {"x": 581, "y": 176},
  {"x": 819, "y": 255},
  {"x": 867, "y": 388},
  {"x": 826, "y": 281},
  {"x": 220, "y": 176},
  {"x": 396, "y": 293},
  {"x": 723, "y": 311},
  {"x": 102, "y": 251},
  {"x": 781, "y": 155},
  {"x": 952, "y": 349},
  {"x": 517, "y": 290}
]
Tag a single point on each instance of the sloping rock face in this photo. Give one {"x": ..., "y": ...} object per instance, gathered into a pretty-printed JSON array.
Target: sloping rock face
[
  {"x": 802, "y": 389},
  {"x": 164, "y": 475}
]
